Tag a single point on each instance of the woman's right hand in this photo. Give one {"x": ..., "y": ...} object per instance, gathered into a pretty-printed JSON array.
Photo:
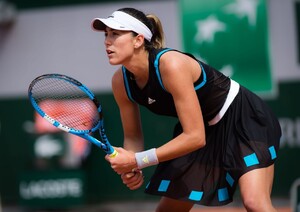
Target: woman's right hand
[{"x": 133, "y": 180}]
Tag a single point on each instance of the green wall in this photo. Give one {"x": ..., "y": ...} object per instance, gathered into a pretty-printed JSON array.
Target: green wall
[{"x": 17, "y": 155}]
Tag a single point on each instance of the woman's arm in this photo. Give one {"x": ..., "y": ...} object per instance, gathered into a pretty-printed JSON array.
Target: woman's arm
[
  {"x": 179, "y": 72},
  {"x": 130, "y": 115},
  {"x": 133, "y": 136}
]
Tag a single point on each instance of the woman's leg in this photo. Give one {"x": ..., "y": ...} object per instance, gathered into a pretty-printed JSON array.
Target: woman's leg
[
  {"x": 171, "y": 205},
  {"x": 256, "y": 187}
]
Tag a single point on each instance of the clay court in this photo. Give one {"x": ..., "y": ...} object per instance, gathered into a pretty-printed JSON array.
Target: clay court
[
  {"x": 282, "y": 205},
  {"x": 234, "y": 209}
]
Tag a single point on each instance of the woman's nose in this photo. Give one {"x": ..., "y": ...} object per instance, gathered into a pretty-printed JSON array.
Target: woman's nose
[{"x": 107, "y": 41}]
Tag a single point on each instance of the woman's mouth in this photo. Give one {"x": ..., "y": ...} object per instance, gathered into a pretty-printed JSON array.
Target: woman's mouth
[{"x": 109, "y": 52}]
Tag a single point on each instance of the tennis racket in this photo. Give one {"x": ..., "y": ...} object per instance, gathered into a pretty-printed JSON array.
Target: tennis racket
[{"x": 70, "y": 106}]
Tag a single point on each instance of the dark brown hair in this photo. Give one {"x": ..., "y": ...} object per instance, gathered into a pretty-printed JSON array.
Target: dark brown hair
[{"x": 153, "y": 23}]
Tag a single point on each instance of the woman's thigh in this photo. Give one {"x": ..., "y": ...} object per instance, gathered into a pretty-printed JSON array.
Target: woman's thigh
[
  {"x": 171, "y": 205},
  {"x": 256, "y": 188}
]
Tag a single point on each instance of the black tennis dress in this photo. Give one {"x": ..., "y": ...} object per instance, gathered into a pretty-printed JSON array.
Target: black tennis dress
[{"x": 242, "y": 134}]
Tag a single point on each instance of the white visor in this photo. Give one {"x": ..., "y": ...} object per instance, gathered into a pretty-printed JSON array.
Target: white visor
[{"x": 122, "y": 21}]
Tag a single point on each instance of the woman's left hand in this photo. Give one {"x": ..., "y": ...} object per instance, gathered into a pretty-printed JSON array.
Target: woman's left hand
[
  {"x": 124, "y": 162},
  {"x": 133, "y": 180}
]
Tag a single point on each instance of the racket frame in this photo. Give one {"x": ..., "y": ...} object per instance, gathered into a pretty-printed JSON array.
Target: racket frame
[{"x": 105, "y": 144}]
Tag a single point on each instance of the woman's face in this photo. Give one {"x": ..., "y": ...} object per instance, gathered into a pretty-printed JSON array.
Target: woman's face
[{"x": 119, "y": 45}]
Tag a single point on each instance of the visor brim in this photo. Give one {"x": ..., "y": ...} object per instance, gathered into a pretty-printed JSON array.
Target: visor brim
[{"x": 100, "y": 24}]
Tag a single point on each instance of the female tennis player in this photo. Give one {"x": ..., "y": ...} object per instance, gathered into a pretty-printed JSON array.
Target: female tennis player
[{"x": 225, "y": 137}]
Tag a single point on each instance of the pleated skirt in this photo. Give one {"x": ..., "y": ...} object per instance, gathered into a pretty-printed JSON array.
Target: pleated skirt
[{"x": 246, "y": 138}]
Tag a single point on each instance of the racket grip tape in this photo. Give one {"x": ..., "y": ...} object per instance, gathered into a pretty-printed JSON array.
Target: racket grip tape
[{"x": 113, "y": 154}]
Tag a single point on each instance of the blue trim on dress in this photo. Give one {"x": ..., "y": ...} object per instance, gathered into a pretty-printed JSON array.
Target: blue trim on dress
[
  {"x": 156, "y": 65},
  {"x": 127, "y": 84},
  {"x": 164, "y": 184},
  {"x": 229, "y": 179},
  {"x": 204, "y": 78},
  {"x": 251, "y": 160},
  {"x": 147, "y": 185},
  {"x": 156, "y": 61},
  {"x": 273, "y": 152},
  {"x": 196, "y": 195},
  {"x": 223, "y": 194}
]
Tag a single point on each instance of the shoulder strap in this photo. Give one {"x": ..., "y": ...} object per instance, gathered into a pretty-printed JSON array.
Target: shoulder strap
[
  {"x": 127, "y": 88},
  {"x": 204, "y": 78},
  {"x": 156, "y": 66}
]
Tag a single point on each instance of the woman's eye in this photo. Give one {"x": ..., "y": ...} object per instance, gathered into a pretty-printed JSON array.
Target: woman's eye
[{"x": 111, "y": 34}]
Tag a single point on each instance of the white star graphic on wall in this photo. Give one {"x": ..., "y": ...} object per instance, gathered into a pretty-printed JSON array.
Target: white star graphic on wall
[
  {"x": 227, "y": 70},
  {"x": 244, "y": 8},
  {"x": 206, "y": 29}
]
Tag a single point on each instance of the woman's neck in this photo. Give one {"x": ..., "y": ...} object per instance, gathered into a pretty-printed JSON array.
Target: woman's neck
[{"x": 139, "y": 67}]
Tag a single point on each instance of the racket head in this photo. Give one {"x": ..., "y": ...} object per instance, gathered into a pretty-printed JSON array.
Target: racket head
[{"x": 66, "y": 103}]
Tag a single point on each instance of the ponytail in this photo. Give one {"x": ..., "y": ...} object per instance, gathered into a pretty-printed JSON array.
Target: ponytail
[
  {"x": 153, "y": 23},
  {"x": 158, "y": 38}
]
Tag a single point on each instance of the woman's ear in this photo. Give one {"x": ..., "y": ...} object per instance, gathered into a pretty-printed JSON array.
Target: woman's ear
[{"x": 139, "y": 41}]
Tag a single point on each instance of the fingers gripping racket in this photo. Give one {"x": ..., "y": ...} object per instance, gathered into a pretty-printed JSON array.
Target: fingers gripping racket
[{"x": 70, "y": 106}]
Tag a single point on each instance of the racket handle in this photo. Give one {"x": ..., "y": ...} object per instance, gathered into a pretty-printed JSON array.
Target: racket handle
[{"x": 113, "y": 154}]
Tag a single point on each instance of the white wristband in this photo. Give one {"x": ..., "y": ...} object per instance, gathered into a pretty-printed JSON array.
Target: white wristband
[{"x": 146, "y": 158}]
